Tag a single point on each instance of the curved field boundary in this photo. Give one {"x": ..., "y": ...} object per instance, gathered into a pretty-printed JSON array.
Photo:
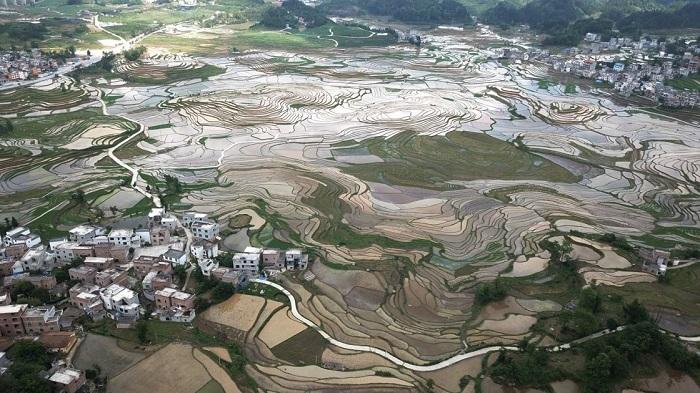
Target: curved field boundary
[
  {"x": 381, "y": 352},
  {"x": 447, "y": 362}
]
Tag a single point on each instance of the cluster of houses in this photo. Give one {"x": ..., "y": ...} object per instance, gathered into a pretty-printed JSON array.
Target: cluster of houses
[
  {"x": 112, "y": 271},
  {"x": 22, "y": 65},
  {"x": 641, "y": 67}
]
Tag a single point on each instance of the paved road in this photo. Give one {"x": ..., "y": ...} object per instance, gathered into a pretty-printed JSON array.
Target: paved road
[{"x": 445, "y": 363}]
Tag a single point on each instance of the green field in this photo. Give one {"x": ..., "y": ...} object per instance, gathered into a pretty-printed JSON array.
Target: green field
[
  {"x": 691, "y": 83},
  {"x": 62, "y": 128},
  {"x": 24, "y": 99},
  {"x": 429, "y": 162}
]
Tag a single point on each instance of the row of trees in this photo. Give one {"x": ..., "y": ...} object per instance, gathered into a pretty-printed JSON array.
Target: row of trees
[
  {"x": 608, "y": 360},
  {"x": 413, "y": 11},
  {"x": 292, "y": 13}
]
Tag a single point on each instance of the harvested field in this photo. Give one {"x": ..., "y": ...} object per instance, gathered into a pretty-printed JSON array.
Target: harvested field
[
  {"x": 217, "y": 373},
  {"x": 614, "y": 277},
  {"x": 239, "y": 311},
  {"x": 183, "y": 374},
  {"x": 280, "y": 327}
]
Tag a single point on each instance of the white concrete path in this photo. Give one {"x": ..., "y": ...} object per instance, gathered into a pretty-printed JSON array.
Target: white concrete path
[{"x": 445, "y": 363}]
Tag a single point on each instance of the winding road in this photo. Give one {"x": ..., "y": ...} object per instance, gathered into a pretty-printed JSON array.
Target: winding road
[{"x": 445, "y": 363}]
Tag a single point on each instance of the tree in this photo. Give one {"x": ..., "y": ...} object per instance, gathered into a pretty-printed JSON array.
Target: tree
[
  {"x": 22, "y": 288},
  {"x": 491, "y": 291},
  {"x": 29, "y": 352},
  {"x": 558, "y": 252},
  {"x": 180, "y": 272},
  {"x": 222, "y": 291},
  {"x": 134, "y": 54},
  {"x": 590, "y": 299},
  {"x": 78, "y": 197},
  {"x": 5, "y": 126},
  {"x": 635, "y": 312},
  {"x": 142, "y": 331}
]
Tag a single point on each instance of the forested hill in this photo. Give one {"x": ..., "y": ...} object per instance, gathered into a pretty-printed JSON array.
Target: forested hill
[
  {"x": 411, "y": 11},
  {"x": 566, "y": 21}
]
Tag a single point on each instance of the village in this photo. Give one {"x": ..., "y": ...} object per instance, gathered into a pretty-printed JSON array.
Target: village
[
  {"x": 121, "y": 274},
  {"x": 649, "y": 67}
]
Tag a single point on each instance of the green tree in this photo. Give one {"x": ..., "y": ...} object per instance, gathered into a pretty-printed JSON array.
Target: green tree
[
  {"x": 591, "y": 300},
  {"x": 491, "y": 291},
  {"x": 142, "y": 331},
  {"x": 635, "y": 312}
]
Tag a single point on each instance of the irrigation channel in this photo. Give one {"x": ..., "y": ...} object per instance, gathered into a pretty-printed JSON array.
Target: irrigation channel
[{"x": 445, "y": 363}]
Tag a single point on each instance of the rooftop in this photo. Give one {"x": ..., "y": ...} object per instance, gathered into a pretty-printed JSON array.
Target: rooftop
[
  {"x": 173, "y": 254},
  {"x": 12, "y": 308},
  {"x": 82, "y": 230},
  {"x": 121, "y": 233},
  {"x": 65, "y": 376}
]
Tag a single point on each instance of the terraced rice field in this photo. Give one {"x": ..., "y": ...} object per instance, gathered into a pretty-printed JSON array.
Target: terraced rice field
[{"x": 415, "y": 176}]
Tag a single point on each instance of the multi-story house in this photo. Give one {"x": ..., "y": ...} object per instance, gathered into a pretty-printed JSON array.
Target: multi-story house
[
  {"x": 85, "y": 234},
  {"x": 159, "y": 235},
  {"x": 120, "y": 302},
  {"x": 43, "y": 319},
  {"x": 124, "y": 237},
  {"x": 84, "y": 274},
  {"x": 99, "y": 263},
  {"x": 11, "y": 320},
  {"x": 202, "y": 249},
  {"x": 189, "y": 218},
  {"x": 111, "y": 276},
  {"x": 247, "y": 262},
  {"x": 21, "y": 235},
  {"x": 205, "y": 230},
  {"x": 67, "y": 252},
  {"x": 174, "y": 305}
]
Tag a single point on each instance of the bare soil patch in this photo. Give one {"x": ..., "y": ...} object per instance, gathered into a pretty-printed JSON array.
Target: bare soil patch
[
  {"x": 173, "y": 369},
  {"x": 239, "y": 311}
]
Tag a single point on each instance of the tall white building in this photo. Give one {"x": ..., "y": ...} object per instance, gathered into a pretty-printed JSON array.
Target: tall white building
[
  {"x": 120, "y": 301},
  {"x": 205, "y": 230}
]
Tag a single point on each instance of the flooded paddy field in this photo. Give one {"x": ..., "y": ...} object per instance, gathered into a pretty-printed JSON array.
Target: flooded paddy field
[{"x": 416, "y": 175}]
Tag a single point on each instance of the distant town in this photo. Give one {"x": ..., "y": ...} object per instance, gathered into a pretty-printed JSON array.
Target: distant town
[
  {"x": 122, "y": 273},
  {"x": 648, "y": 67}
]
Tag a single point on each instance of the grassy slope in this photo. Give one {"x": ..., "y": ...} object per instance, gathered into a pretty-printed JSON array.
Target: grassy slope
[{"x": 424, "y": 161}]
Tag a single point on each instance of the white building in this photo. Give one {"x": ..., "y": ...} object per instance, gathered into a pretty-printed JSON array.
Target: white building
[
  {"x": 202, "y": 249},
  {"x": 205, "y": 230},
  {"x": 21, "y": 235},
  {"x": 207, "y": 265},
  {"x": 53, "y": 243},
  {"x": 248, "y": 261},
  {"x": 66, "y": 252},
  {"x": 189, "y": 218},
  {"x": 85, "y": 234},
  {"x": 120, "y": 301},
  {"x": 169, "y": 222},
  {"x": 295, "y": 259},
  {"x": 37, "y": 259},
  {"x": 144, "y": 235},
  {"x": 175, "y": 257},
  {"x": 124, "y": 237}
]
